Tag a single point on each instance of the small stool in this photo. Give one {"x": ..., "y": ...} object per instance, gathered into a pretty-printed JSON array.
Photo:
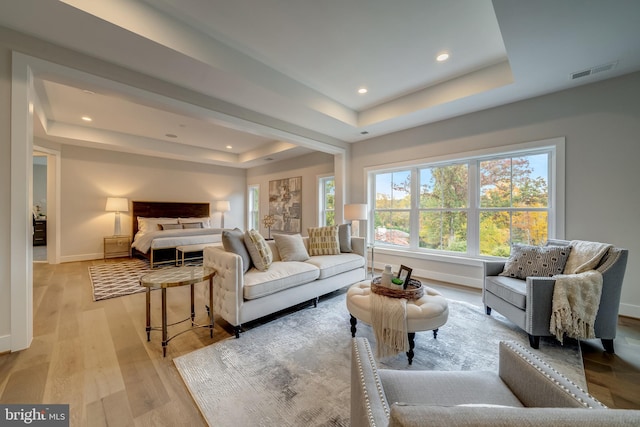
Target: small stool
[{"x": 425, "y": 314}]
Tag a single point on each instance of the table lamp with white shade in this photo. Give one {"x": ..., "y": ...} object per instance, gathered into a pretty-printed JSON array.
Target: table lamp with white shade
[
  {"x": 355, "y": 213},
  {"x": 117, "y": 205},
  {"x": 222, "y": 206}
]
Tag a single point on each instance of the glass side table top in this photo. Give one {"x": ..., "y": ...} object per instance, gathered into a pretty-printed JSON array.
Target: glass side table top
[{"x": 176, "y": 276}]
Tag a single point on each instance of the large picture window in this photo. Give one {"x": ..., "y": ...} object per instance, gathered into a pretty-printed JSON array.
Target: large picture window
[{"x": 476, "y": 204}]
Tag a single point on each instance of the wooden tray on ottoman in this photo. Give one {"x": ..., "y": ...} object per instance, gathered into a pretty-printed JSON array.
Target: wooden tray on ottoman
[{"x": 414, "y": 290}]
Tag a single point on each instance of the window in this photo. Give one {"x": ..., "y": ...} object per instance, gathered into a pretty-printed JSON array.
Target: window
[
  {"x": 477, "y": 204},
  {"x": 253, "y": 214},
  {"x": 327, "y": 193}
]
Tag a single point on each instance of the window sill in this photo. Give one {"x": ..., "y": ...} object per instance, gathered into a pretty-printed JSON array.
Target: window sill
[{"x": 444, "y": 258}]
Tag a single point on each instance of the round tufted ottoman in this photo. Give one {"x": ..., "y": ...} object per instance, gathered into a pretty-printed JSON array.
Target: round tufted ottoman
[{"x": 425, "y": 314}]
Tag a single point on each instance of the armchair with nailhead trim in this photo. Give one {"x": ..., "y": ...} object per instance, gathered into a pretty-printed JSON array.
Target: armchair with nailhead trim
[{"x": 524, "y": 391}]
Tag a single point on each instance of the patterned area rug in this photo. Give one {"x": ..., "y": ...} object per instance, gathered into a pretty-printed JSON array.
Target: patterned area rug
[
  {"x": 295, "y": 370},
  {"x": 115, "y": 279}
]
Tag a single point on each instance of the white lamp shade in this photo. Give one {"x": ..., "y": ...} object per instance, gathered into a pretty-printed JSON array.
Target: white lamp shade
[
  {"x": 223, "y": 206},
  {"x": 117, "y": 204},
  {"x": 355, "y": 211}
]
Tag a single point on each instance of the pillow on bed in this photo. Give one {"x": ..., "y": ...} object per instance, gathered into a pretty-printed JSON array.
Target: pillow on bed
[
  {"x": 171, "y": 226},
  {"x": 205, "y": 220},
  {"x": 192, "y": 225},
  {"x": 233, "y": 241},
  {"x": 153, "y": 224},
  {"x": 259, "y": 250}
]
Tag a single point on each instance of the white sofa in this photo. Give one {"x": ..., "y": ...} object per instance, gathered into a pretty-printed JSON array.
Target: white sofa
[{"x": 240, "y": 298}]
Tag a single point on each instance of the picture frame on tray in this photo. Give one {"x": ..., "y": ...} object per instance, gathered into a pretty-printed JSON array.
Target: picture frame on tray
[{"x": 404, "y": 274}]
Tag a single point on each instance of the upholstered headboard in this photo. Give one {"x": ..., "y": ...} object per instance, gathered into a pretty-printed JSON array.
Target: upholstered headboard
[{"x": 166, "y": 209}]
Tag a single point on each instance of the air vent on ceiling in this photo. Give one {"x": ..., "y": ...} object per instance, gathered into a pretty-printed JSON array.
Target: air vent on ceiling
[{"x": 593, "y": 70}]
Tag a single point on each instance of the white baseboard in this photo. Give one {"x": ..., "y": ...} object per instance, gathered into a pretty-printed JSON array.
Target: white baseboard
[
  {"x": 630, "y": 310},
  {"x": 5, "y": 343},
  {"x": 85, "y": 257}
]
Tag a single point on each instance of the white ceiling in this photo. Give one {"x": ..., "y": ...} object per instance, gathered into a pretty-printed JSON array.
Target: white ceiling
[{"x": 277, "y": 79}]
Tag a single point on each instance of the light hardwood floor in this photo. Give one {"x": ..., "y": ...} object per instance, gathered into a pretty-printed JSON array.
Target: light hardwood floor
[{"x": 95, "y": 356}]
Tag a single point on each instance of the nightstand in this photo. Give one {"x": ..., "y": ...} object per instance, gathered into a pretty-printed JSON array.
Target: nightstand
[{"x": 117, "y": 246}]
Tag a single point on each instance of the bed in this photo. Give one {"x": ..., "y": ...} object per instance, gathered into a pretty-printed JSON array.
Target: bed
[{"x": 159, "y": 227}]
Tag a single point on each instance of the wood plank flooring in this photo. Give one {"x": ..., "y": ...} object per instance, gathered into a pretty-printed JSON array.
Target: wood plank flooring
[{"x": 95, "y": 356}]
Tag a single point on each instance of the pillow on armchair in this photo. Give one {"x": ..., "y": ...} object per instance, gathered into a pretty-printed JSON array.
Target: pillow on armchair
[{"x": 536, "y": 261}]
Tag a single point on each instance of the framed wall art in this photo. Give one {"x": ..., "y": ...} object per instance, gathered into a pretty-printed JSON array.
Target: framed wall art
[{"x": 285, "y": 204}]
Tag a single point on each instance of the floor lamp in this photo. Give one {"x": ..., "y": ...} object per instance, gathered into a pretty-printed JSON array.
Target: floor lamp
[
  {"x": 222, "y": 206},
  {"x": 117, "y": 205},
  {"x": 355, "y": 213}
]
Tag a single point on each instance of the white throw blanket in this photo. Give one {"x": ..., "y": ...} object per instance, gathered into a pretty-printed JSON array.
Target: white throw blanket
[
  {"x": 576, "y": 294},
  {"x": 576, "y": 298},
  {"x": 389, "y": 322}
]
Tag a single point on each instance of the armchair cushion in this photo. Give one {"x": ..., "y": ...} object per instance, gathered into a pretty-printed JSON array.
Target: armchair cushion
[{"x": 536, "y": 261}]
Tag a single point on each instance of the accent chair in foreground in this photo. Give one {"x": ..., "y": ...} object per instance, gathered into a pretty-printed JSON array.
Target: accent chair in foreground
[{"x": 525, "y": 391}]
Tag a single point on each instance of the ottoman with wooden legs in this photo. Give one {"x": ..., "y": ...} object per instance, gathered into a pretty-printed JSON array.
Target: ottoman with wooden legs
[{"x": 428, "y": 313}]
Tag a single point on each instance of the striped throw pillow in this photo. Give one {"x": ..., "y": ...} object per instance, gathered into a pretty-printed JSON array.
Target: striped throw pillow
[
  {"x": 323, "y": 241},
  {"x": 259, "y": 250}
]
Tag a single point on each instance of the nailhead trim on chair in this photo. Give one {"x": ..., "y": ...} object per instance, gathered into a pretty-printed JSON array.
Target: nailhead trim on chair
[
  {"x": 372, "y": 422},
  {"x": 528, "y": 356}
]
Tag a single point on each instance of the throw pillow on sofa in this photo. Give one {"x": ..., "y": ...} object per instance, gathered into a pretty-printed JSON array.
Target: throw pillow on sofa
[
  {"x": 344, "y": 236},
  {"x": 259, "y": 250},
  {"x": 291, "y": 247},
  {"x": 233, "y": 241},
  {"x": 323, "y": 240},
  {"x": 536, "y": 261}
]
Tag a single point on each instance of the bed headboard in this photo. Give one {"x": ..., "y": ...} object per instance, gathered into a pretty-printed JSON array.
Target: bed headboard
[{"x": 166, "y": 209}]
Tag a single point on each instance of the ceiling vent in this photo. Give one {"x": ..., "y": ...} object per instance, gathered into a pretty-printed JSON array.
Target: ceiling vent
[{"x": 593, "y": 70}]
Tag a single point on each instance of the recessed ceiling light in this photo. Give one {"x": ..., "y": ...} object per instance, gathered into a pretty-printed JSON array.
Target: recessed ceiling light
[
  {"x": 363, "y": 90},
  {"x": 170, "y": 135},
  {"x": 229, "y": 147},
  {"x": 89, "y": 92},
  {"x": 87, "y": 119},
  {"x": 442, "y": 57}
]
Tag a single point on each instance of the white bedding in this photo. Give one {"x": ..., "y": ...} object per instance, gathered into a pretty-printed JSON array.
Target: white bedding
[{"x": 163, "y": 239}]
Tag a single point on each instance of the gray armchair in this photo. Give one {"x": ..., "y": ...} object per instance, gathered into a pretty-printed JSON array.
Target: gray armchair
[
  {"x": 524, "y": 391},
  {"x": 527, "y": 303}
]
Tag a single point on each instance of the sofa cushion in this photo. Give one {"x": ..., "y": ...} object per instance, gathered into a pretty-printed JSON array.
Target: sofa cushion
[
  {"x": 260, "y": 252},
  {"x": 291, "y": 247},
  {"x": 536, "y": 261},
  {"x": 514, "y": 291},
  {"x": 280, "y": 276},
  {"x": 344, "y": 236},
  {"x": 233, "y": 241},
  {"x": 323, "y": 240},
  {"x": 330, "y": 265}
]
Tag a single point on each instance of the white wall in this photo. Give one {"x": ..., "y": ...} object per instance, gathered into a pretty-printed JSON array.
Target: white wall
[
  {"x": 601, "y": 124},
  {"x": 309, "y": 167},
  {"x": 5, "y": 196},
  {"x": 89, "y": 176}
]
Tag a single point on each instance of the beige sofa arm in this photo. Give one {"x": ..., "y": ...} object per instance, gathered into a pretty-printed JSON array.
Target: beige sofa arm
[
  {"x": 228, "y": 283},
  {"x": 358, "y": 246},
  {"x": 537, "y": 384},
  {"x": 369, "y": 406}
]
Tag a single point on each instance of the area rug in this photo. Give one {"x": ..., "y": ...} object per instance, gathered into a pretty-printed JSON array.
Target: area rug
[
  {"x": 115, "y": 279},
  {"x": 295, "y": 370},
  {"x": 119, "y": 278}
]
